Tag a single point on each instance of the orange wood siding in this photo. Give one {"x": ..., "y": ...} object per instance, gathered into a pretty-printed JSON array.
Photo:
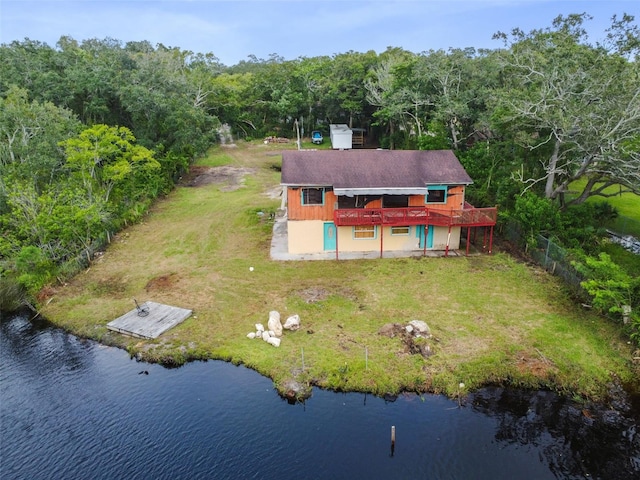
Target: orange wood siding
[
  {"x": 455, "y": 197},
  {"x": 297, "y": 211},
  {"x": 416, "y": 201}
]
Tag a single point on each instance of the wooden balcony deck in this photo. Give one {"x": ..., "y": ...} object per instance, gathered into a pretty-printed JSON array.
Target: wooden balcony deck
[{"x": 466, "y": 217}]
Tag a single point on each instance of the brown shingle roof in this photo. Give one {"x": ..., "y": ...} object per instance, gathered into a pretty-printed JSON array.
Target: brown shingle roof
[{"x": 372, "y": 168}]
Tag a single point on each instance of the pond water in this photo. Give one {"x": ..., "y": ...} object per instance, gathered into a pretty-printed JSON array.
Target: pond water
[{"x": 74, "y": 409}]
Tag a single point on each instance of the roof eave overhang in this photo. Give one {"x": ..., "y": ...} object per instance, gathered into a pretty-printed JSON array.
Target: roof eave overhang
[{"x": 352, "y": 192}]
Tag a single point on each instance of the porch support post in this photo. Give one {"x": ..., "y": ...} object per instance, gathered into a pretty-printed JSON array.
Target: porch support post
[
  {"x": 468, "y": 238},
  {"x": 425, "y": 232},
  {"x": 491, "y": 240},
  {"x": 381, "y": 238},
  {"x": 446, "y": 249}
]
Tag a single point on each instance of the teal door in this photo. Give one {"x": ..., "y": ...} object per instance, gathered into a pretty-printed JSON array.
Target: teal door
[
  {"x": 429, "y": 237},
  {"x": 329, "y": 236}
]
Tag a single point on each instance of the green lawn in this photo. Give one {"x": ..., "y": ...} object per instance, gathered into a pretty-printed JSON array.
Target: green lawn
[
  {"x": 628, "y": 207},
  {"x": 493, "y": 319}
]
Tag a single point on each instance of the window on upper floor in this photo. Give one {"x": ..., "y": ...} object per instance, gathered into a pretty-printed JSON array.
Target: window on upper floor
[
  {"x": 395, "y": 201},
  {"x": 313, "y": 196},
  {"x": 358, "y": 201},
  {"x": 436, "y": 194}
]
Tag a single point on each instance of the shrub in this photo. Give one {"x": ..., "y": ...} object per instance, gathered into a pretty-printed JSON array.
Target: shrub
[
  {"x": 610, "y": 287},
  {"x": 536, "y": 216},
  {"x": 34, "y": 269}
]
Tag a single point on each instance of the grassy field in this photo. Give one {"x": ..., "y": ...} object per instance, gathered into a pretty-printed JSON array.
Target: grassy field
[
  {"x": 627, "y": 205},
  {"x": 493, "y": 319}
]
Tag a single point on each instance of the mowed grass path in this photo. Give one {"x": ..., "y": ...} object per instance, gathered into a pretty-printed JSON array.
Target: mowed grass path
[{"x": 493, "y": 319}]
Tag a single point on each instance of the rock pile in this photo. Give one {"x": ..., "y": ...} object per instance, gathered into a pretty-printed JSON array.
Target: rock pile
[
  {"x": 415, "y": 336},
  {"x": 273, "y": 333}
]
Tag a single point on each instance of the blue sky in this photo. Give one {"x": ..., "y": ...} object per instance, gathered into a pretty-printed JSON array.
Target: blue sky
[{"x": 233, "y": 30}]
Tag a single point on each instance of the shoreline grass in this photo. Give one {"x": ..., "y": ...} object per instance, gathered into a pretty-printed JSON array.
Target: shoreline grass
[{"x": 494, "y": 320}]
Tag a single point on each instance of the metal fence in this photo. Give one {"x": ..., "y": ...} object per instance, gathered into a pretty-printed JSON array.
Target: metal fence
[
  {"x": 548, "y": 255},
  {"x": 555, "y": 260}
]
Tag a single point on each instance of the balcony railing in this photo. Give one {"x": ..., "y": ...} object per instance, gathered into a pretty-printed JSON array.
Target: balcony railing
[{"x": 466, "y": 217}]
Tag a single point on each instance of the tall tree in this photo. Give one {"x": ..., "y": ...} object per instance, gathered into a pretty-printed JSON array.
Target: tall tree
[
  {"x": 576, "y": 106},
  {"x": 385, "y": 92},
  {"x": 104, "y": 157},
  {"x": 29, "y": 136}
]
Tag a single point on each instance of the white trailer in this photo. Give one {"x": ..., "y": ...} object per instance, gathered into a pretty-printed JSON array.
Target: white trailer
[{"x": 341, "y": 137}]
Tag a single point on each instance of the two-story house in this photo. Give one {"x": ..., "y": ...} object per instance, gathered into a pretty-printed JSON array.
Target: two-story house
[{"x": 370, "y": 200}]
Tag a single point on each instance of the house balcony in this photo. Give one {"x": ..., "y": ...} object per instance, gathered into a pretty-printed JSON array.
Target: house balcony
[{"x": 469, "y": 216}]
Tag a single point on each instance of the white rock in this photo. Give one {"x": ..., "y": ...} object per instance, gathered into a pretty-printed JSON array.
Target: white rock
[
  {"x": 259, "y": 327},
  {"x": 258, "y": 334},
  {"x": 266, "y": 336},
  {"x": 420, "y": 327},
  {"x": 274, "y": 323},
  {"x": 409, "y": 328},
  {"x": 292, "y": 323},
  {"x": 251, "y": 335},
  {"x": 275, "y": 341},
  {"x": 272, "y": 333}
]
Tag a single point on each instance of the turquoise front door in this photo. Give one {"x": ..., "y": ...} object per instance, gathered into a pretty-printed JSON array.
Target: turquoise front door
[
  {"x": 429, "y": 237},
  {"x": 329, "y": 236}
]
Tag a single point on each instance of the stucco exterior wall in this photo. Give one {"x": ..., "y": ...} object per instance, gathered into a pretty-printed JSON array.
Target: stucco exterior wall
[
  {"x": 440, "y": 235},
  {"x": 347, "y": 242},
  {"x": 308, "y": 237},
  {"x": 305, "y": 236}
]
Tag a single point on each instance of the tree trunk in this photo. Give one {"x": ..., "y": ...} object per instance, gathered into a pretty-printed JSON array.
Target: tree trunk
[
  {"x": 551, "y": 174},
  {"x": 454, "y": 135}
]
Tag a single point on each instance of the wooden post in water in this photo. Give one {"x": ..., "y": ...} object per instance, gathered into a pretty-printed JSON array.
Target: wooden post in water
[{"x": 393, "y": 439}]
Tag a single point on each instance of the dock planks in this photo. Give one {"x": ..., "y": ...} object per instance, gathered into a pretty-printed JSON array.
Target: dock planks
[{"x": 159, "y": 319}]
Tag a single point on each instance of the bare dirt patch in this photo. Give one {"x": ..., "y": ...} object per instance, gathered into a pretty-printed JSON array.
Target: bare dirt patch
[
  {"x": 162, "y": 283},
  {"x": 538, "y": 365},
  {"x": 320, "y": 294},
  {"x": 112, "y": 285},
  {"x": 314, "y": 294},
  {"x": 232, "y": 177},
  {"x": 275, "y": 192}
]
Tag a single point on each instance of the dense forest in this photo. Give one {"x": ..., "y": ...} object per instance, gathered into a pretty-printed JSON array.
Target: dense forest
[{"x": 92, "y": 131}]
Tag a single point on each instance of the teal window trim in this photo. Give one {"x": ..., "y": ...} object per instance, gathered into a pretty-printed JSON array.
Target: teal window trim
[
  {"x": 408, "y": 227},
  {"x": 436, "y": 187},
  {"x": 375, "y": 233},
  {"x": 302, "y": 196}
]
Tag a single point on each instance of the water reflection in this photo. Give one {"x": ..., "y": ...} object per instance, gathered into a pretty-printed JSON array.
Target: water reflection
[
  {"x": 76, "y": 409},
  {"x": 575, "y": 441}
]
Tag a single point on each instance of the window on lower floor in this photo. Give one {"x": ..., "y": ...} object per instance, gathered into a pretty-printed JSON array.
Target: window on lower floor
[
  {"x": 364, "y": 231},
  {"x": 400, "y": 230},
  {"x": 313, "y": 196}
]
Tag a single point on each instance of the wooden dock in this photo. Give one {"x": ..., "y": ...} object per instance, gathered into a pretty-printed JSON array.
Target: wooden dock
[{"x": 150, "y": 320}]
